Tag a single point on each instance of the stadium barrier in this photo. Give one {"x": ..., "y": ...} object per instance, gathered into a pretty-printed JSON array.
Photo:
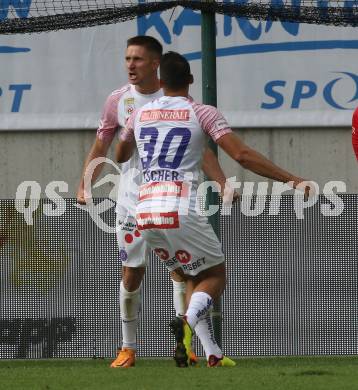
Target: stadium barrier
[{"x": 291, "y": 290}]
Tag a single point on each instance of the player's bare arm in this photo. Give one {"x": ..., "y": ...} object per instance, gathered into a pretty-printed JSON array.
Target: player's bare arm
[
  {"x": 212, "y": 168},
  {"x": 254, "y": 161},
  {"x": 124, "y": 150},
  {"x": 99, "y": 149}
]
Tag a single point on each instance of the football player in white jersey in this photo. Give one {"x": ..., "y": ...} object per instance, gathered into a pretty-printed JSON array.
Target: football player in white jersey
[
  {"x": 142, "y": 61},
  {"x": 170, "y": 135}
]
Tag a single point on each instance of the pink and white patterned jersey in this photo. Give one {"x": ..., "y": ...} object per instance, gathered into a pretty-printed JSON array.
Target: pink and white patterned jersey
[
  {"x": 117, "y": 109},
  {"x": 170, "y": 133}
]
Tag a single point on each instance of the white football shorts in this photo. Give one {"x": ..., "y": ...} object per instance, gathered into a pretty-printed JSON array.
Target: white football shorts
[
  {"x": 133, "y": 250},
  {"x": 181, "y": 241}
]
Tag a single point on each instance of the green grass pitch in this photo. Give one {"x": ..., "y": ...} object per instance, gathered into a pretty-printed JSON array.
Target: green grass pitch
[{"x": 286, "y": 373}]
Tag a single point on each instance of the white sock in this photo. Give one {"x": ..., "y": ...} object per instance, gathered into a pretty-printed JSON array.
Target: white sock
[
  {"x": 179, "y": 289},
  {"x": 199, "y": 305},
  {"x": 130, "y": 305},
  {"x": 205, "y": 331}
]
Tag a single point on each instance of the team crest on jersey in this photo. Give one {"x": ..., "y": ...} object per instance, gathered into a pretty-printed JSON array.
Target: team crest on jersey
[{"x": 129, "y": 105}]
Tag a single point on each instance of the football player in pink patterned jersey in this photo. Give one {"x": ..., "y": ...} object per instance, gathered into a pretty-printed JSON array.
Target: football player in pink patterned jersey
[
  {"x": 355, "y": 132},
  {"x": 142, "y": 62},
  {"x": 170, "y": 135}
]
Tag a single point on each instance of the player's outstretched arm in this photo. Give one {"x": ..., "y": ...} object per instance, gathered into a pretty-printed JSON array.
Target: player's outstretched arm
[
  {"x": 254, "y": 161},
  {"x": 212, "y": 169},
  {"x": 99, "y": 149}
]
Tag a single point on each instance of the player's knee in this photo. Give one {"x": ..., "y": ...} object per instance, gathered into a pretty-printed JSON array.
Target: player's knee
[
  {"x": 132, "y": 277},
  {"x": 215, "y": 280},
  {"x": 130, "y": 303}
]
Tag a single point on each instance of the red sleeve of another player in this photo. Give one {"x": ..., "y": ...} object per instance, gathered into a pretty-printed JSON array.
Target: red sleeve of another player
[{"x": 355, "y": 132}]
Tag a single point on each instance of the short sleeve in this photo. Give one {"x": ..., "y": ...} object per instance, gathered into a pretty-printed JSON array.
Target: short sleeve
[
  {"x": 211, "y": 121},
  {"x": 109, "y": 119}
]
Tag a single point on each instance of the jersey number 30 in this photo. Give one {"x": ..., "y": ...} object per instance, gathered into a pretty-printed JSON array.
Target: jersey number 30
[{"x": 151, "y": 135}]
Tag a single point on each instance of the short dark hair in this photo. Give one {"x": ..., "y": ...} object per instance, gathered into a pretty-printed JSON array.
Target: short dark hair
[
  {"x": 150, "y": 43},
  {"x": 175, "y": 70}
]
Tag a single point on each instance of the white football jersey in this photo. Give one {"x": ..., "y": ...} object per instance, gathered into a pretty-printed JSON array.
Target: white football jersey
[
  {"x": 131, "y": 177},
  {"x": 170, "y": 133}
]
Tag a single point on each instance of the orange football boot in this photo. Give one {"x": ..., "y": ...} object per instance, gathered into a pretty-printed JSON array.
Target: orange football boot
[
  {"x": 193, "y": 359},
  {"x": 124, "y": 359}
]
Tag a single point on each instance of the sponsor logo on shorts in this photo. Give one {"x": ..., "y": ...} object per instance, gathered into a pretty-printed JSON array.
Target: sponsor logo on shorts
[
  {"x": 128, "y": 238},
  {"x": 160, "y": 189},
  {"x": 172, "y": 261},
  {"x": 162, "y": 253},
  {"x": 158, "y": 220},
  {"x": 194, "y": 265},
  {"x": 183, "y": 256},
  {"x": 127, "y": 226},
  {"x": 123, "y": 255},
  {"x": 164, "y": 115},
  {"x": 131, "y": 235}
]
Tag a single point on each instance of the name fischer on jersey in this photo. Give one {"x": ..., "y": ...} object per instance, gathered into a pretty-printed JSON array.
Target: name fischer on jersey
[
  {"x": 164, "y": 115},
  {"x": 160, "y": 175}
]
